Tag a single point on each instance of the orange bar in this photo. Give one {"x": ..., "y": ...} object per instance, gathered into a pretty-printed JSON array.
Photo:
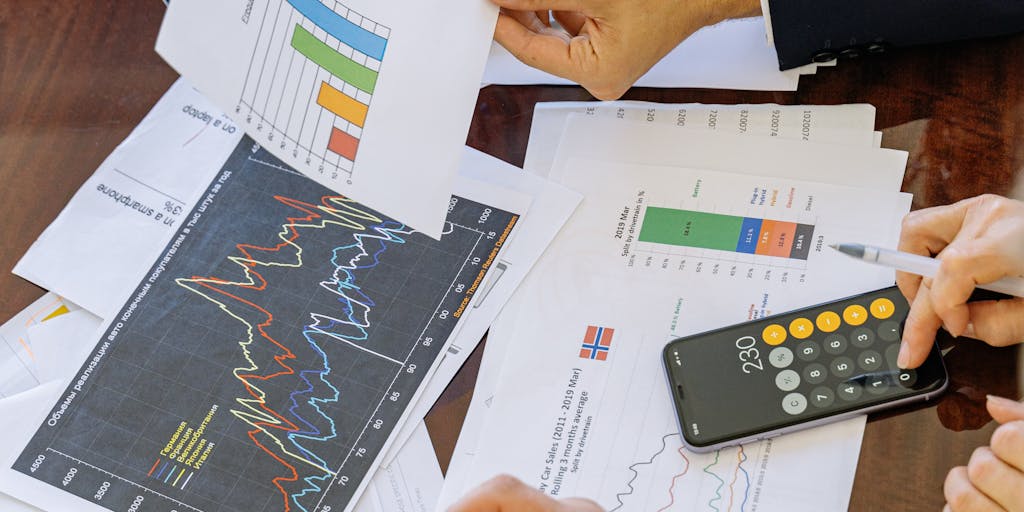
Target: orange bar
[
  {"x": 343, "y": 144},
  {"x": 765, "y": 239},
  {"x": 782, "y": 238},
  {"x": 341, "y": 104}
]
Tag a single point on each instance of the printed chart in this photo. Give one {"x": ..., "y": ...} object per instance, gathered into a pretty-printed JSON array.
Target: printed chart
[
  {"x": 311, "y": 79},
  {"x": 268, "y": 355},
  {"x": 761, "y": 235}
]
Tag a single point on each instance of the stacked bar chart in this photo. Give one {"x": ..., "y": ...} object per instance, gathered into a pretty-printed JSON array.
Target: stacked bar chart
[
  {"x": 311, "y": 80},
  {"x": 743, "y": 235}
]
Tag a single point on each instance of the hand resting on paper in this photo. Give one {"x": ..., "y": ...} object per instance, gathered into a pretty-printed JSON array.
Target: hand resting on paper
[
  {"x": 994, "y": 477},
  {"x": 979, "y": 240},
  {"x": 508, "y": 494},
  {"x": 606, "y": 45}
]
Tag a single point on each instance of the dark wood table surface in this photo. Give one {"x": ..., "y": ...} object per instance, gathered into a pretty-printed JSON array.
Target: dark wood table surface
[{"x": 76, "y": 77}]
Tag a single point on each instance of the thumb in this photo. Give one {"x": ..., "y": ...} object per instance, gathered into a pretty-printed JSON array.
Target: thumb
[
  {"x": 1004, "y": 410},
  {"x": 997, "y": 322}
]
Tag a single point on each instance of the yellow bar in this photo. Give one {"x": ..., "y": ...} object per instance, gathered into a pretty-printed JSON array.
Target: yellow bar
[{"x": 341, "y": 104}]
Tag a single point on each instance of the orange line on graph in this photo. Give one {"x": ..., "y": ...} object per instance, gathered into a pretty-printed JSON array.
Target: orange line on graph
[
  {"x": 671, "y": 493},
  {"x": 151, "y": 470},
  {"x": 735, "y": 476},
  {"x": 27, "y": 349},
  {"x": 32, "y": 319}
]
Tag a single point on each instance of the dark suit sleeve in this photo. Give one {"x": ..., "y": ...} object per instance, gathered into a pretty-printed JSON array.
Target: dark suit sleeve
[{"x": 819, "y": 30}]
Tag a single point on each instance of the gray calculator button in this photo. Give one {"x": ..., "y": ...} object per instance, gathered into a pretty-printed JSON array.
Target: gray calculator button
[
  {"x": 891, "y": 353},
  {"x": 889, "y": 330},
  {"x": 780, "y": 357},
  {"x": 815, "y": 373},
  {"x": 878, "y": 384},
  {"x": 787, "y": 380},
  {"x": 849, "y": 391},
  {"x": 841, "y": 366},
  {"x": 906, "y": 378},
  {"x": 835, "y": 344},
  {"x": 822, "y": 397},
  {"x": 862, "y": 337},
  {"x": 869, "y": 360},
  {"x": 794, "y": 403},
  {"x": 808, "y": 351}
]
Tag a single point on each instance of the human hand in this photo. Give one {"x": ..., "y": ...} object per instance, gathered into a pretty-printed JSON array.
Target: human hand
[
  {"x": 507, "y": 494},
  {"x": 994, "y": 477},
  {"x": 978, "y": 240},
  {"x": 606, "y": 45}
]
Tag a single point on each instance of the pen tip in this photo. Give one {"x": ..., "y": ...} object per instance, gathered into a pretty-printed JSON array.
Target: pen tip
[{"x": 834, "y": 246}]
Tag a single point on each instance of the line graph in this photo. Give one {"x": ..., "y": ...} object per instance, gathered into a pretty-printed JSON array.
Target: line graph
[
  {"x": 664, "y": 481},
  {"x": 268, "y": 355}
]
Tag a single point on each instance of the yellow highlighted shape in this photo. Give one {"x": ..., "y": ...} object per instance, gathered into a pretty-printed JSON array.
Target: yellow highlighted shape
[
  {"x": 801, "y": 328},
  {"x": 342, "y": 105},
  {"x": 882, "y": 308},
  {"x": 827, "y": 321},
  {"x": 774, "y": 334},
  {"x": 855, "y": 314}
]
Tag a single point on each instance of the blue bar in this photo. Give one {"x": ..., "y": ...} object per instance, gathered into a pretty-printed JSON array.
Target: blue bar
[
  {"x": 344, "y": 30},
  {"x": 749, "y": 233}
]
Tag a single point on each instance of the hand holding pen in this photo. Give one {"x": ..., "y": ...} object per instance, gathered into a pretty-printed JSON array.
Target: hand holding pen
[{"x": 977, "y": 241}]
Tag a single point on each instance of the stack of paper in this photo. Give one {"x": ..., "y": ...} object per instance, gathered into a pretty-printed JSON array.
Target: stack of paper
[
  {"x": 266, "y": 342},
  {"x": 604, "y": 428}
]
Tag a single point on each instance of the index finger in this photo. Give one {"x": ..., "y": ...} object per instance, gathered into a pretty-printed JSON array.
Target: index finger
[
  {"x": 546, "y": 50},
  {"x": 927, "y": 232}
]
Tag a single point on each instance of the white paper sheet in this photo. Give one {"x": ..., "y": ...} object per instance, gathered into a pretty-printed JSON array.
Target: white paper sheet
[
  {"x": 643, "y": 143},
  {"x": 551, "y": 207},
  {"x": 849, "y": 125},
  {"x": 19, "y": 358},
  {"x": 60, "y": 343},
  {"x": 590, "y": 277},
  {"x": 128, "y": 209},
  {"x": 412, "y": 482},
  {"x": 730, "y": 55},
  {"x": 299, "y": 77}
]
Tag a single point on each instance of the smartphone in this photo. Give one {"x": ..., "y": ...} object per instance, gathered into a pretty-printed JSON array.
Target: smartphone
[{"x": 795, "y": 370}]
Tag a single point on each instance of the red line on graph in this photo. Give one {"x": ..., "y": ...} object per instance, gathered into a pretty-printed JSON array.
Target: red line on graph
[
  {"x": 155, "y": 464},
  {"x": 672, "y": 494}
]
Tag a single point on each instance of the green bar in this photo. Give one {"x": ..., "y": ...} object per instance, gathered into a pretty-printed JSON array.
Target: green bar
[
  {"x": 691, "y": 229},
  {"x": 335, "y": 63}
]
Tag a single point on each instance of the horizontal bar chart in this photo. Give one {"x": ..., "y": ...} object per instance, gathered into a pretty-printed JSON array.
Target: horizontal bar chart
[
  {"x": 358, "y": 38},
  {"x": 342, "y": 105},
  {"x": 360, "y": 76},
  {"x": 744, "y": 235}
]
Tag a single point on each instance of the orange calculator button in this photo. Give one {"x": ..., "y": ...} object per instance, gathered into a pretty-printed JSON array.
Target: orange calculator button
[
  {"x": 774, "y": 334},
  {"x": 801, "y": 328},
  {"x": 827, "y": 321},
  {"x": 855, "y": 314},
  {"x": 882, "y": 308}
]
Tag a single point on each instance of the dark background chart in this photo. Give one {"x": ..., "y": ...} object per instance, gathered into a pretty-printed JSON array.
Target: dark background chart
[{"x": 267, "y": 356}]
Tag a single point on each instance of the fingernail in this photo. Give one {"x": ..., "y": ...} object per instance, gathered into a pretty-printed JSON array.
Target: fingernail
[
  {"x": 901, "y": 360},
  {"x": 969, "y": 330},
  {"x": 1001, "y": 401}
]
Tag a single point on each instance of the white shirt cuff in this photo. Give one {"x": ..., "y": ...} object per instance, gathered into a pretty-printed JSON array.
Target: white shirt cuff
[{"x": 767, "y": 22}]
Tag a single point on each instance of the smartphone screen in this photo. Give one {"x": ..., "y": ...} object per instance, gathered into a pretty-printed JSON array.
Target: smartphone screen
[{"x": 795, "y": 369}]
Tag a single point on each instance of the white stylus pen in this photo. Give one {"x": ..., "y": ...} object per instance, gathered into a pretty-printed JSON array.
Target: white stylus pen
[{"x": 921, "y": 265}]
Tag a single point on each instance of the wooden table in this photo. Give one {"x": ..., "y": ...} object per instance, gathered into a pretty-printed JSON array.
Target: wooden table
[{"x": 76, "y": 77}]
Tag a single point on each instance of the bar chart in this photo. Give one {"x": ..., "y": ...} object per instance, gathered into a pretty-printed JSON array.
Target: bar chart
[
  {"x": 311, "y": 80},
  {"x": 745, "y": 235}
]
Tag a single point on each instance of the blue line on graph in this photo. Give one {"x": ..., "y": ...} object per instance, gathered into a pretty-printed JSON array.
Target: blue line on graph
[{"x": 357, "y": 37}]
